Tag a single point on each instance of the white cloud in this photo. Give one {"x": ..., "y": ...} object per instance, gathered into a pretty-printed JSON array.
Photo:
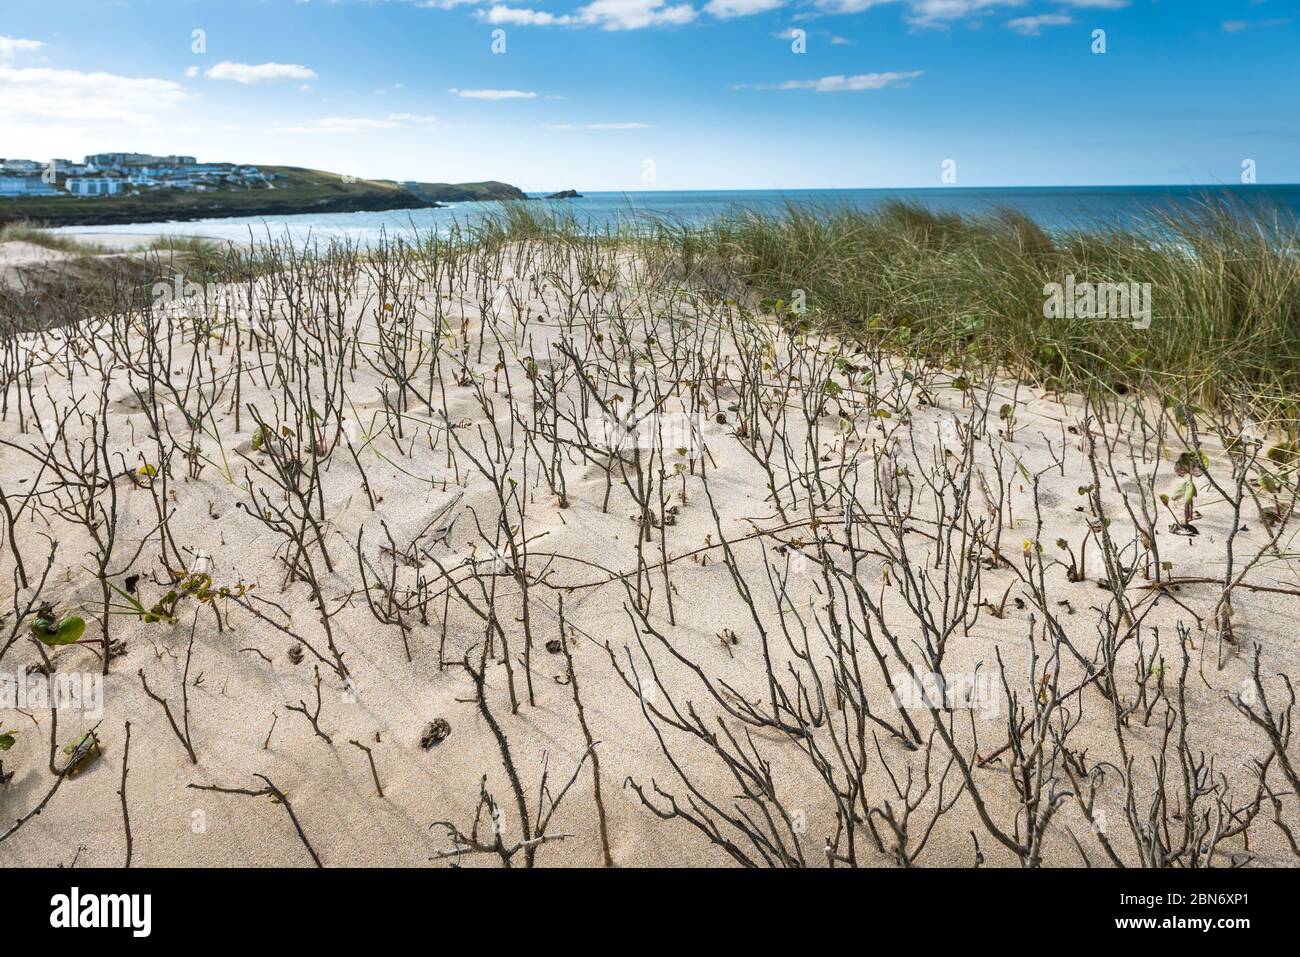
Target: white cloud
[
  {"x": 191, "y": 71},
  {"x": 248, "y": 73},
  {"x": 842, "y": 84},
  {"x": 940, "y": 13},
  {"x": 11, "y": 46},
  {"x": 356, "y": 124},
  {"x": 635, "y": 14},
  {"x": 71, "y": 95},
  {"x": 850, "y": 6},
  {"x": 936, "y": 13},
  {"x": 631, "y": 14},
  {"x": 1033, "y": 26},
  {"x": 725, "y": 9},
  {"x": 523, "y": 17},
  {"x": 494, "y": 94},
  {"x": 607, "y": 14}
]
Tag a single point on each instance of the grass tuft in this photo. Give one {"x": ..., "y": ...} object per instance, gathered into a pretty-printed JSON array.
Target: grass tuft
[
  {"x": 26, "y": 233},
  {"x": 1225, "y": 289}
]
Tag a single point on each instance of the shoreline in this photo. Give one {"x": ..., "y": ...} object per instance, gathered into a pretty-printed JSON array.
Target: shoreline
[
  {"x": 341, "y": 205},
  {"x": 1058, "y": 211}
]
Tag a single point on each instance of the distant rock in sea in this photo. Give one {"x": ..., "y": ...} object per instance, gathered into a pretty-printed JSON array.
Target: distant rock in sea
[{"x": 566, "y": 194}]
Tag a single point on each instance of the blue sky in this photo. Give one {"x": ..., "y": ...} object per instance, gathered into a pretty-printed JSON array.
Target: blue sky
[{"x": 668, "y": 94}]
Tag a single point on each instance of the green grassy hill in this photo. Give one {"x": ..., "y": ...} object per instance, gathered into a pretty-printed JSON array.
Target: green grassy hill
[
  {"x": 465, "y": 192},
  {"x": 300, "y": 191}
]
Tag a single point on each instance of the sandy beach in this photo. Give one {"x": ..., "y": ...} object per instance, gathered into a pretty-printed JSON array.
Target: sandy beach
[
  {"x": 17, "y": 256},
  {"x": 21, "y": 257},
  {"x": 516, "y": 523}
]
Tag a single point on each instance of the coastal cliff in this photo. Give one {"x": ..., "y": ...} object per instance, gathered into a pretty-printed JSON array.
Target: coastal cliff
[{"x": 294, "y": 190}]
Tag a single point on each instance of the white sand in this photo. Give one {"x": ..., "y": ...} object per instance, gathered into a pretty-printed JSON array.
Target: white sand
[
  {"x": 15, "y": 256},
  {"x": 108, "y": 240},
  {"x": 234, "y": 693}
]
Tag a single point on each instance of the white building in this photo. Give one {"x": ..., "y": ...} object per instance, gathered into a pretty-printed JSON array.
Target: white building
[
  {"x": 25, "y": 186},
  {"x": 95, "y": 185}
]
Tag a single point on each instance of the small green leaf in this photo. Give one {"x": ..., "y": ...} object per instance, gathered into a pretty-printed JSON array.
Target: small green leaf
[{"x": 66, "y": 632}]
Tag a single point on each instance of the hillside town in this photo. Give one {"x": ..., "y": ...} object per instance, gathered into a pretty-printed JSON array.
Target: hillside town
[{"x": 125, "y": 174}]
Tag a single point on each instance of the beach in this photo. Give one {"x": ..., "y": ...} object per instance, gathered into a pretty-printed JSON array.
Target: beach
[{"x": 487, "y": 529}]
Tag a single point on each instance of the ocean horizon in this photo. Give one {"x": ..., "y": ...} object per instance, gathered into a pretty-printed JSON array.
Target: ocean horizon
[{"x": 1056, "y": 209}]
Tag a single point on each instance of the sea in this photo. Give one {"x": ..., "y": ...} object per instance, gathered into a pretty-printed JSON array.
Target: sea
[{"x": 1056, "y": 209}]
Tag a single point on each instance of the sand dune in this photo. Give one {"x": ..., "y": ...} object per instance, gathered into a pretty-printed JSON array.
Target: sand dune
[{"x": 774, "y": 534}]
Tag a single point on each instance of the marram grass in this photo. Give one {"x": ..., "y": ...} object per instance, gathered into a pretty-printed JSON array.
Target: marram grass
[{"x": 1224, "y": 289}]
